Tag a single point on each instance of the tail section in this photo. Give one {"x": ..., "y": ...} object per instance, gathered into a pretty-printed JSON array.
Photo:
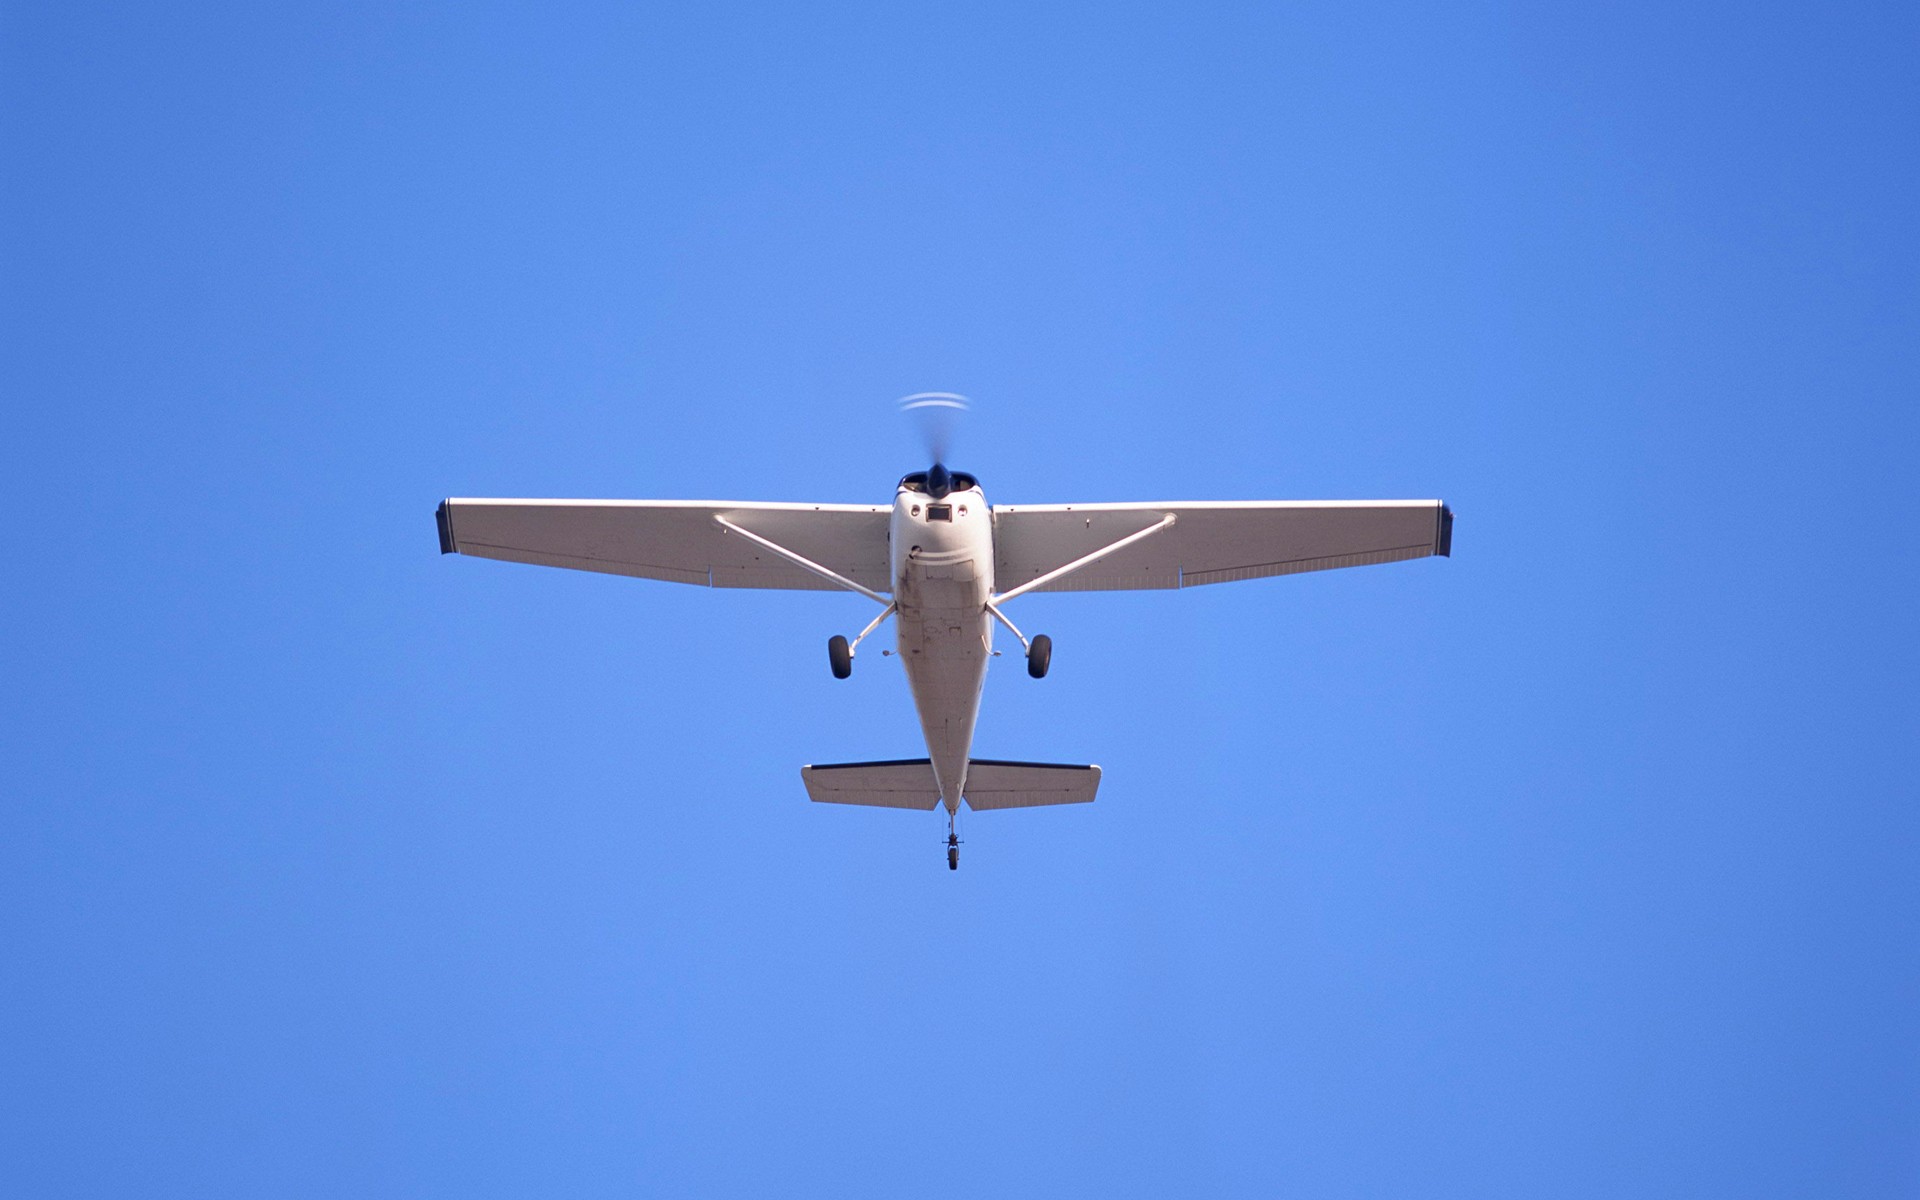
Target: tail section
[
  {"x": 901, "y": 783},
  {"x": 995, "y": 784},
  {"x": 991, "y": 783}
]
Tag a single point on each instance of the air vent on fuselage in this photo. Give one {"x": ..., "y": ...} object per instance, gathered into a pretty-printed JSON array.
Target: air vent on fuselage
[{"x": 939, "y": 512}]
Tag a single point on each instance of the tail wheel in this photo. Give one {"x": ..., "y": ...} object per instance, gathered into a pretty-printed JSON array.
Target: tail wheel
[
  {"x": 839, "y": 657},
  {"x": 1039, "y": 655}
]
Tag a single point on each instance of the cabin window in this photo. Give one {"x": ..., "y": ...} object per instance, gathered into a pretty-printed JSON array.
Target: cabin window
[{"x": 939, "y": 512}]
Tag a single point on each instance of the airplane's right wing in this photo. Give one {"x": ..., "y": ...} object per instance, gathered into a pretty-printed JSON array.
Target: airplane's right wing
[
  {"x": 1210, "y": 542},
  {"x": 681, "y": 541}
]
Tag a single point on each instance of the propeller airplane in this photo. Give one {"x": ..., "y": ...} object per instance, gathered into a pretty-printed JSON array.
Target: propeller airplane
[{"x": 944, "y": 564}]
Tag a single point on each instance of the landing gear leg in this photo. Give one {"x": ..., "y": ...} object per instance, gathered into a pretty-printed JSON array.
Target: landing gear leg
[
  {"x": 1039, "y": 650},
  {"x": 953, "y": 846}
]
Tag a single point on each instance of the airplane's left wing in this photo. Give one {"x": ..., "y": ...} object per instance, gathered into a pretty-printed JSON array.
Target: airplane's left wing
[{"x": 675, "y": 540}]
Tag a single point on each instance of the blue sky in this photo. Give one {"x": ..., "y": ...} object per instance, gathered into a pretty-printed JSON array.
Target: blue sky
[{"x": 1580, "y": 864}]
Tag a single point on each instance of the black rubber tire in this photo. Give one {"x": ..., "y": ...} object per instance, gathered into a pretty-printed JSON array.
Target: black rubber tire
[
  {"x": 839, "y": 657},
  {"x": 953, "y": 858},
  {"x": 1039, "y": 655}
]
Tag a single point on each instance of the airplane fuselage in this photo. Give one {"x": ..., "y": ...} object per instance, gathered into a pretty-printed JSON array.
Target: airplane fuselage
[{"x": 941, "y": 553}]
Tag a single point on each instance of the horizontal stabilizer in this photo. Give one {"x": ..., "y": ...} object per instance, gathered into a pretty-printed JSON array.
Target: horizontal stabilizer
[
  {"x": 909, "y": 783},
  {"x": 902, "y": 783},
  {"x": 995, "y": 784}
]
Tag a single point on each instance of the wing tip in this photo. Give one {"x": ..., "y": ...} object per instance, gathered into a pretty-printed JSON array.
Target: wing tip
[
  {"x": 1443, "y": 535},
  {"x": 445, "y": 522}
]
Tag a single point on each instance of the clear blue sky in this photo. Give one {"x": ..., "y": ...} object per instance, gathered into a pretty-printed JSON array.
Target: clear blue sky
[{"x": 1580, "y": 865}]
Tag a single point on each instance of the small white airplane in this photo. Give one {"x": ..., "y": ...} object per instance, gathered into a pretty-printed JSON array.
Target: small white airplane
[{"x": 945, "y": 565}]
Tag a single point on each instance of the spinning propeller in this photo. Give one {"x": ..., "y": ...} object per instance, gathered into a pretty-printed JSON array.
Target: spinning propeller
[{"x": 936, "y": 413}]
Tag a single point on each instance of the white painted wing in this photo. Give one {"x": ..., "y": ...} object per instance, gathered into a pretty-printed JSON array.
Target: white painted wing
[
  {"x": 675, "y": 540},
  {"x": 1211, "y": 542},
  {"x": 904, "y": 783},
  {"x": 994, "y": 784}
]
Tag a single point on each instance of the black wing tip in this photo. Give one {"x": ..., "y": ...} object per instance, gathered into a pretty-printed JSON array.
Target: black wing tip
[
  {"x": 1443, "y": 537},
  {"x": 445, "y": 523}
]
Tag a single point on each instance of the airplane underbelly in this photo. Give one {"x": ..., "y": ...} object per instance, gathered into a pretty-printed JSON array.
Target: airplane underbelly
[
  {"x": 945, "y": 639},
  {"x": 942, "y": 557},
  {"x": 943, "y": 615}
]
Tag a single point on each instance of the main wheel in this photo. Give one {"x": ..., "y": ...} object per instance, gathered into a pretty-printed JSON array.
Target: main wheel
[
  {"x": 1039, "y": 655},
  {"x": 839, "y": 657},
  {"x": 953, "y": 858}
]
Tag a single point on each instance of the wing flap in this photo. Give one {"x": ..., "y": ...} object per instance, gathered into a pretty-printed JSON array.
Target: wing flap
[{"x": 677, "y": 541}]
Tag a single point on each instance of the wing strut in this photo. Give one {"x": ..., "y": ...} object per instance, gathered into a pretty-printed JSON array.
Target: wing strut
[
  {"x": 807, "y": 564},
  {"x": 1166, "y": 522}
]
